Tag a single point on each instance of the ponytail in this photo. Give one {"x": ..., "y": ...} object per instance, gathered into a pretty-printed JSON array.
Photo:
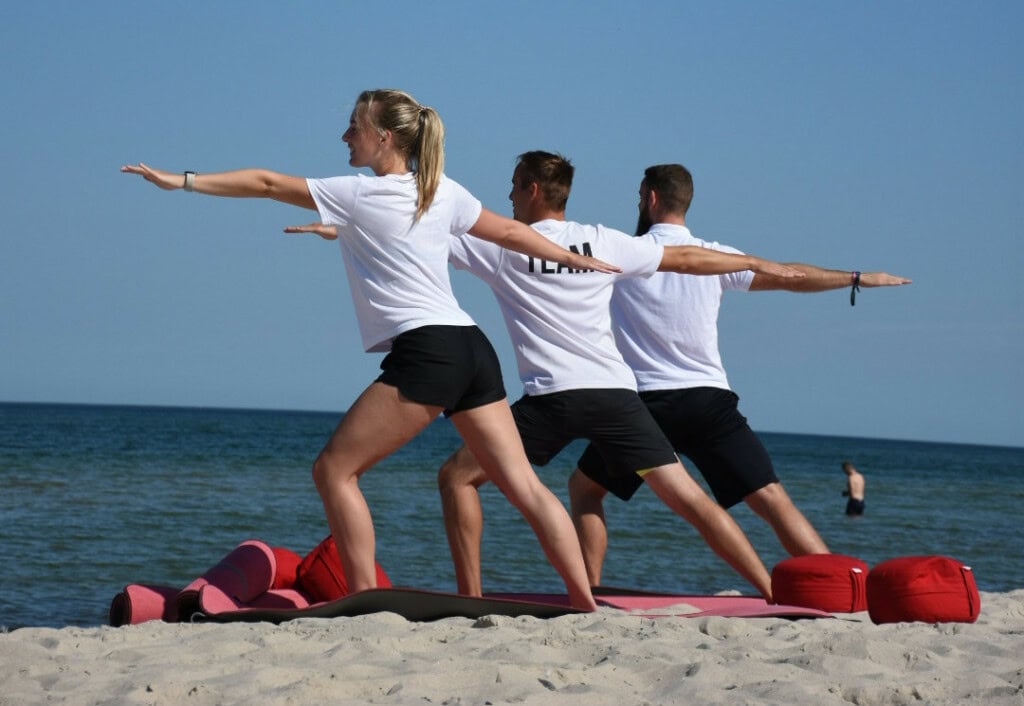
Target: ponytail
[
  {"x": 418, "y": 133},
  {"x": 429, "y": 158}
]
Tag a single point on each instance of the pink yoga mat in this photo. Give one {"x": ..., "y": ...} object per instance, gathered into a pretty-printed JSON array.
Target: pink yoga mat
[
  {"x": 419, "y": 605},
  {"x": 725, "y": 606},
  {"x": 213, "y": 601},
  {"x": 138, "y": 603},
  {"x": 244, "y": 574}
]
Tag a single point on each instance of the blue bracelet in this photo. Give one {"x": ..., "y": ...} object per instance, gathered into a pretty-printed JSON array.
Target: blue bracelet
[{"x": 855, "y": 287}]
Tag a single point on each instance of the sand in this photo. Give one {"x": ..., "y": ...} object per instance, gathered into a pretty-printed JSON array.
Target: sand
[{"x": 608, "y": 657}]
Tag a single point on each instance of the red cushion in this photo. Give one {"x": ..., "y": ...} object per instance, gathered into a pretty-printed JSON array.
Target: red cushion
[
  {"x": 287, "y": 568},
  {"x": 931, "y": 589},
  {"x": 321, "y": 576},
  {"x": 830, "y": 582}
]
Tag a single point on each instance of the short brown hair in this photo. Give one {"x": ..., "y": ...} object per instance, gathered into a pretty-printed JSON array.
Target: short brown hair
[
  {"x": 674, "y": 185},
  {"x": 552, "y": 172}
]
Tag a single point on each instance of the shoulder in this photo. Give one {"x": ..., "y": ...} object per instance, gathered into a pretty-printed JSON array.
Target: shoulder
[
  {"x": 552, "y": 225},
  {"x": 335, "y": 197},
  {"x": 458, "y": 196},
  {"x": 611, "y": 232},
  {"x": 449, "y": 185},
  {"x": 610, "y": 235},
  {"x": 670, "y": 234},
  {"x": 333, "y": 183},
  {"x": 357, "y": 185}
]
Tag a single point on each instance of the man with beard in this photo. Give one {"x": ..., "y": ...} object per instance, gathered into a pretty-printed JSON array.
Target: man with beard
[{"x": 666, "y": 327}]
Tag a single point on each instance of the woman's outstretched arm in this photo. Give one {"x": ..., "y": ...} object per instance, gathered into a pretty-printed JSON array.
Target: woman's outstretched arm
[
  {"x": 242, "y": 183},
  {"x": 522, "y": 238}
]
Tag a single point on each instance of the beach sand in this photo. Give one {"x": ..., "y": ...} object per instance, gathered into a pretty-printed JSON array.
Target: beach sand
[{"x": 608, "y": 657}]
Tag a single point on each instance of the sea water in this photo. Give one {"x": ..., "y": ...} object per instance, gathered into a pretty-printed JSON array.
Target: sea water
[{"x": 96, "y": 497}]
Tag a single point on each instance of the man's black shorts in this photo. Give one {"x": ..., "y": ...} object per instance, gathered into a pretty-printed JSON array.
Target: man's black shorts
[
  {"x": 454, "y": 367},
  {"x": 854, "y": 507},
  {"x": 614, "y": 420},
  {"x": 705, "y": 425}
]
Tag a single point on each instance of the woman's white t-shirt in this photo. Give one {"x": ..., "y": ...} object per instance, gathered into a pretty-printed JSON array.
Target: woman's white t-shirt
[{"x": 397, "y": 267}]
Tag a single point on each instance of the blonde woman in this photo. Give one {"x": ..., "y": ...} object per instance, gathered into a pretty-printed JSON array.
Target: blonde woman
[{"x": 394, "y": 229}]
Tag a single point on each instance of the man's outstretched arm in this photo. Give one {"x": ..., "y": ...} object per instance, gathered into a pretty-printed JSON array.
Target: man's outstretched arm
[{"x": 818, "y": 279}]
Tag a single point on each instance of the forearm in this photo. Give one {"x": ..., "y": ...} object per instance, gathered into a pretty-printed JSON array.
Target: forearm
[
  {"x": 240, "y": 183},
  {"x": 521, "y": 238},
  {"x": 524, "y": 239},
  {"x": 819, "y": 279},
  {"x": 815, "y": 279},
  {"x": 255, "y": 183}
]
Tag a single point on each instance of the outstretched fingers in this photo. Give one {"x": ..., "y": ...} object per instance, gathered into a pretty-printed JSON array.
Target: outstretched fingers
[
  {"x": 881, "y": 279},
  {"x": 327, "y": 232},
  {"x": 585, "y": 262},
  {"x": 163, "y": 179}
]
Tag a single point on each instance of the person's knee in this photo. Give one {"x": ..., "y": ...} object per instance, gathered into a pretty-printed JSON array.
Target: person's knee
[
  {"x": 327, "y": 470},
  {"x": 674, "y": 476},
  {"x": 767, "y": 500},
  {"x": 459, "y": 471},
  {"x": 584, "y": 494}
]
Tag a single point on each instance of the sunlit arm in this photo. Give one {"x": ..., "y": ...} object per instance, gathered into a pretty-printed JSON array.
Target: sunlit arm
[
  {"x": 695, "y": 260},
  {"x": 517, "y": 236},
  {"x": 239, "y": 183},
  {"x": 327, "y": 232},
  {"x": 817, "y": 279}
]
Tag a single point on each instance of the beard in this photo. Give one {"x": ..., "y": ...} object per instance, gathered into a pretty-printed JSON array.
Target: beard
[{"x": 643, "y": 222}]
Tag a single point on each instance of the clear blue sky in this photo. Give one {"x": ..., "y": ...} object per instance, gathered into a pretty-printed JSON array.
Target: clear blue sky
[{"x": 877, "y": 135}]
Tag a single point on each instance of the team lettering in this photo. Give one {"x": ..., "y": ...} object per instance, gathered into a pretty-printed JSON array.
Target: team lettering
[{"x": 557, "y": 268}]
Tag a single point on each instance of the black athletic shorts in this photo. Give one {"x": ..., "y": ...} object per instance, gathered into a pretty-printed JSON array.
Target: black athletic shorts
[
  {"x": 614, "y": 420},
  {"x": 854, "y": 507},
  {"x": 454, "y": 367},
  {"x": 705, "y": 425}
]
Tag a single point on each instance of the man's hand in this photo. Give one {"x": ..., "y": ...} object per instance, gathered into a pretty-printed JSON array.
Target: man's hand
[{"x": 881, "y": 279}]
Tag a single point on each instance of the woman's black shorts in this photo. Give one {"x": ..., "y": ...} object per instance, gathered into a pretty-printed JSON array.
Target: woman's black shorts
[{"x": 453, "y": 367}]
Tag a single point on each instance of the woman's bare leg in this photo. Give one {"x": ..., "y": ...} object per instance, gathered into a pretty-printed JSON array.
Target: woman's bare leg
[
  {"x": 379, "y": 422},
  {"x": 490, "y": 433}
]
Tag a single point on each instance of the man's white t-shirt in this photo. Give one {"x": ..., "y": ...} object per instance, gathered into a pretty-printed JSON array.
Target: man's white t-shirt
[
  {"x": 666, "y": 326},
  {"x": 558, "y": 318},
  {"x": 397, "y": 267}
]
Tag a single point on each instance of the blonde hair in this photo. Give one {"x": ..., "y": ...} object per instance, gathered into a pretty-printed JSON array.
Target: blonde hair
[{"x": 418, "y": 133}]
